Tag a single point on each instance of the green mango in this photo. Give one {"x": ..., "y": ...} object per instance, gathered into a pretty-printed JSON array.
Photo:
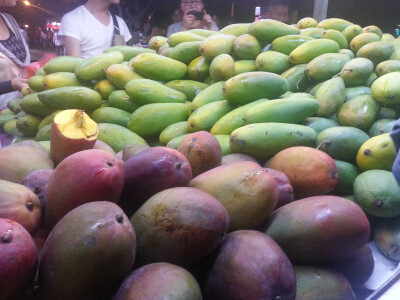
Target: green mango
[
  {"x": 359, "y": 112},
  {"x": 272, "y": 61},
  {"x": 356, "y": 71},
  {"x": 306, "y": 22},
  {"x": 233, "y": 119},
  {"x": 151, "y": 119},
  {"x": 246, "y": 46},
  {"x": 347, "y": 175},
  {"x": 175, "y": 142},
  {"x": 296, "y": 77},
  {"x": 246, "y": 87},
  {"x": 44, "y": 133},
  {"x": 183, "y": 36},
  {"x": 48, "y": 119},
  {"x": 287, "y": 43},
  {"x": 377, "y": 52},
  {"x": 341, "y": 142},
  {"x": 386, "y": 89},
  {"x": 334, "y": 23},
  {"x": 32, "y": 105},
  {"x": 289, "y": 110},
  {"x": 157, "y": 41},
  {"x": 40, "y": 71},
  {"x": 28, "y": 124},
  {"x": 60, "y": 79},
  {"x": 10, "y": 127},
  {"x": 243, "y": 66},
  {"x": 129, "y": 52},
  {"x": 6, "y": 111},
  {"x": 352, "y": 31},
  {"x": 371, "y": 79},
  {"x": 94, "y": 68},
  {"x": 311, "y": 49},
  {"x": 319, "y": 124},
  {"x": 313, "y": 32},
  {"x": 330, "y": 96},
  {"x": 217, "y": 44},
  {"x": 236, "y": 29},
  {"x": 326, "y": 66},
  {"x": 396, "y": 54},
  {"x": 363, "y": 39},
  {"x": 185, "y": 52},
  {"x": 36, "y": 83},
  {"x": 387, "y": 66},
  {"x": 6, "y": 118},
  {"x": 387, "y": 37},
  {"x": 387, "y": 113},
  {"x": 223, "y": 140},
  {"x": 222, "y": 67},
  {"x": 336, "y": 36},
  {"x": 264, "y": 140},
  {"x": 267, "y": 30},
  {"x": 120, "y": 99},
  {"x": 158, "y": 67},
  {"x": 111, "y": 115},
  {"x": 204, "y": 117},
  {"x": 347, "y": 52},
  {"x": 202, "y": 32},
  {"x": 117, "y": 136},
  {"x": 374, "y": 29},
  {"x": 381, "y": 126},
  {"x": 172, "y": 131},
  {"x": 62, "y": 64},
  {"x": 71, "y": 97},
  {"x": 188, "y": 87},
  {"x": 353, "y": 92},
  {"x": 198, "y": 69},
  {"x": 119, "y": 75},
  {"x": 146, "y": 91},
  {"x": 104, "y": 88},
  {"x": 210, "y": 94}
]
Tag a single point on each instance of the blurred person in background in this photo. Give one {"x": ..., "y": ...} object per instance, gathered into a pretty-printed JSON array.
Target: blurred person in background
[
  {"x": 89, "y": 29},
  {"x": 277, "y": 10},
  {"x": 177, "y": 16},
  {"x": 194, "y": 16}
]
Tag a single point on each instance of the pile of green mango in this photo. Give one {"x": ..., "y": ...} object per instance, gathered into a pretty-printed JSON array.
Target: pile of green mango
[{"x": 259, "y": 88}]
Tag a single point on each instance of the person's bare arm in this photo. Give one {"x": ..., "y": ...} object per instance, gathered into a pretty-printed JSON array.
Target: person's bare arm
[{"x": 72, "y": 46}]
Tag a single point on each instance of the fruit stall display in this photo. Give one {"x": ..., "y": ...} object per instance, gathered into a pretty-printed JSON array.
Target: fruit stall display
[{"x": 250, "y": 163}]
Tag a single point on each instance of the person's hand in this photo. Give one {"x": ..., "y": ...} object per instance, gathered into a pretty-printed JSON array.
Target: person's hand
[
  {"x": 18, "y": 83},
  {"x": 207, "y": 19},
  {"x": 188, "y": 21}
]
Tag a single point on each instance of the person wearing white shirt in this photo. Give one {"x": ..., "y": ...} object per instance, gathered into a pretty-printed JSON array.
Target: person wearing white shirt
[{"x": 88, "y": 29}]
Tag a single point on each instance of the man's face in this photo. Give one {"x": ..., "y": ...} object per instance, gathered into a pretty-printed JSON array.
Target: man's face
[
  {"x": 279, "y": 13},
  {"x": 188, "y": 5}
]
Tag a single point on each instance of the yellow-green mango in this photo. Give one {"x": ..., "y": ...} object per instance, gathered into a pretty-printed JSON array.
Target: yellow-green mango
[
  {"x": 151, "y": 119},
  {"x": 395, "y": 55},
  {"x": 172, "y": 131},
  {"x": 210, "y": 94},
  {"x": 236, "y": 29},
  {"x": 146, "y": 91},
  {"x": 129, "y": 52},
  {"x": 94, "y": 68},
  {"x": 351, "y": 31},
  {"x": 376, "y": 51},
  {"x": 386, "y": 89},
  {"x": 6, "y": 118},
  {"x": 371, "y": 79},
  {"x": 217, "y": 44},
  {"x": 158, "y": 67},
  {"x": 348, "y": 52},
  {"x": 62, "y": 64},
  {"x": 374, "y": 29},
  {"x": 157, "y": 41},
  {"x": 28, "y": 124},
  {"x": 314, "y": 32},
  {"x": 267, "y": 30},
  {"x": 223, "y": 141},
  {"x": 104, "y": 88},
  {"x": 319, "y": 124},
  {"x": 246, "y": 87},
  {"x": 273, "y": 61},
  {"x": 246, "y": 46},
  {"x": 352, "y": 92},
  {"x": 36, "y": 83},
  {"x": 330, "y": 96},
  {"x": 287, "y": 43},
  {"x": 40, "y": 71},
  {"x": 185, "y": 52},
  {"x": 119, "y": 75},
  {"x": 120, "y": 99},
  {"x": 387, "y": 66},
  {"x": 183, "y": 36},
  {"x": 198, "y": 69},
  {"x": 307, "y": 22},
  {"x": 387, "y": 37},
  {"x": 202, "y": 32},
  {"x": 207, "y": 115},
  {"x": 188, "y": 87},
  {"x": 44, "y": 133},
  {"x": 60, "y": 79},
  {"x": 288, "y": 110},
  {"x": 6, "y": 111},
  {"x": 69, "y": 97},
  {"x": 264, "y": 140},
  {"x": 334, "y": 23},
  {"x": 163, "y": 47},
  {"x": 117, "y": 137},
  {"x": 233, "y": 119},
  {"x": 111, "y": 115},
  {"x": 296, "y": 78},
  {"x": 326, "y": 65},
  {"x": 222, "y": 67},
  {"x": 362, "y": 39},
  {"x": 360, "y": 112},
  {"x": 311, "y": 49},
  {"x": 243, "y": 66},
  {"x": 48, "y": 119},
  {"x": 381, "y": 126},
  {"x": 356, "y": 71},
  {"x": 337, "y": 36},
  {"x": 175, "y": 142},
  {"x": 32, "y": 105},
  {"x": 396, "y": 44},
  {"x": 10, "y": 126}
]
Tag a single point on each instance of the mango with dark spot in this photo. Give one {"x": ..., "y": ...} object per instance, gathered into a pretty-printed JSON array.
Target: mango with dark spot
[
  {"x": 88, "y": 253},
  {"x": 179, "y": 225}
]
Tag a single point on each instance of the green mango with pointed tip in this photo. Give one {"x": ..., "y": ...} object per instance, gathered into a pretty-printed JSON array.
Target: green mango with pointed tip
[
  {"x": 172, "y": 131},
  {"x": 207, "y": 115},
  {"x": 62, "y": 64},
  {"x": 120, "y": 99},
  {"x": 377, "y": 52},
  {"x": 32, "y": 105},
  {"x": 273, "y": 61},
  {"x": 198, "y": 69},
  {"x": 326, "y": 66},
  {"x": 311, "y": 49},
  {"x": 188, "y": 87},
  {"x": 330, "y": 96},
  {"x": 356, "y": 71},
  {"x": 287, "y": 43},
  {"x": 185, "y": 52},
  {"x": 336, "y": 36},
  {"x": 363, "y": 39},
  {"x": 351, "y": 31}
]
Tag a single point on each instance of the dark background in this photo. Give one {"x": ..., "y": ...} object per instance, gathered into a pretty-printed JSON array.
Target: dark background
[{"x": 382, "y": 13}]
